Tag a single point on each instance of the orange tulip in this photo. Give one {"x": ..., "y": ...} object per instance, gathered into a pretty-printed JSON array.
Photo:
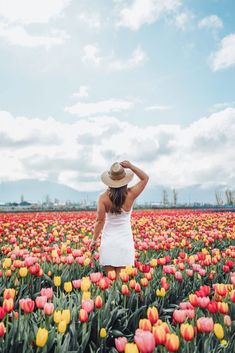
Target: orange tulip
[
  {"x": 8, "y": 305},
  {"x": 9, "y": 293},
  {"x": 152, "y": 314},
  {"x": 83, "y": 315},
  {"x": 98, "y": 302},
  {"x": 187, "y": 332},
  {"x": 172, "y": 342},
  {"x": 159, "y": 334},
  {"x": 145, "y": 324}
]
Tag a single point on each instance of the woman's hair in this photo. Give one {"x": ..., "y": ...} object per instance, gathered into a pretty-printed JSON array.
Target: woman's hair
[{"x": 117, "y": 197}]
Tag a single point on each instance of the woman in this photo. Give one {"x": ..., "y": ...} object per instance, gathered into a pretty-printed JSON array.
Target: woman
[{"x": 113, "y": 216}]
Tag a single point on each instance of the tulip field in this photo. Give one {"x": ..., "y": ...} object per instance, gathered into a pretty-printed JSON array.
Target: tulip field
[{"x": 179, "y": 297}]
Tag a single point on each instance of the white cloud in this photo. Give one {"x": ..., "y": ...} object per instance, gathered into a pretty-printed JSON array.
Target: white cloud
[
  {"x": 18, "y": 35},
  {"x": 141, "y": 12},
  {"x": 82, "y": 92},
  {"x": 93, "y": 57},
  {"x": 182, "y": 19},
  {"x": 92, "y": 20},
  {"x": 28, "y": 11},
  {"x": 101, "y": 107},
  {"x": 225, "y": 55},
  {"x": 158, "y": 107},
  {"x": 173, "y": 155},
  {"x": 212, "y": 21},
  {"x": 136, "y": 59}
]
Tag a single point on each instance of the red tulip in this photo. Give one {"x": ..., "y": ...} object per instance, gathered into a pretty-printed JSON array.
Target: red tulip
[
  {"x": 27, "y": 305},
  {"x": 2, "y": 329},
  {"x": 2, "y": 312}
]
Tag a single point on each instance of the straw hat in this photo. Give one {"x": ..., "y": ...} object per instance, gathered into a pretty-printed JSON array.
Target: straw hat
[{"x": 117, "y": 176}]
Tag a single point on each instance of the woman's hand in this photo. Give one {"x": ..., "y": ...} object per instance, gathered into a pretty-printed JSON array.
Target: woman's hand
[
  {"x": 93, "y": 244},
  {"x": 126, "y": 164}
]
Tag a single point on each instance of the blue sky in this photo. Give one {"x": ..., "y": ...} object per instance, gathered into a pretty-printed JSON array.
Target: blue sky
[{"x": 81, "y": 78}]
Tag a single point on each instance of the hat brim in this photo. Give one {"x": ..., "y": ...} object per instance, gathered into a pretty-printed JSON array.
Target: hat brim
[{"x": 117, "y": 183}]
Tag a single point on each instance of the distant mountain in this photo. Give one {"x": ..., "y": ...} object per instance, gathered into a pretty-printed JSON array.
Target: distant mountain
[{"x": 35, "y": 190}]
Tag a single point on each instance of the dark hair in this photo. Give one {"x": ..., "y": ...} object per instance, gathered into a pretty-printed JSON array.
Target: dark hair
[{"x": 117, "y": 197}]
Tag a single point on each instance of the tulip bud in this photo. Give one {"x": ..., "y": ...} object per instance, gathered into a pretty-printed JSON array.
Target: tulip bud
[{"x": 103, "y": 332}]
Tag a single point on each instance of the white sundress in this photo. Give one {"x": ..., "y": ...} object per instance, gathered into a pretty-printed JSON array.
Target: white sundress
[{"x": 117, "y": 243}]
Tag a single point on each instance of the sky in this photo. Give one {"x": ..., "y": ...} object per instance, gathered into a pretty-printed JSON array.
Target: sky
[{"x": 85, "y": 83}]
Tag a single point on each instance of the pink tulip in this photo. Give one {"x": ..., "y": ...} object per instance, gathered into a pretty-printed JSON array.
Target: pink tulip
[
  {"x": 203, "y": 302},
  {"x": 41, "y": 301},
  {"x": 145, "y": 341},
  {"x": 88, "y": 305},
  {"x": 47, "y": 292},
  {"x": 178, "y": 276},
  {"x": 189, "y": 272},
  {"x": 95, "y": 276},
  {"x": 48, "y": 308},
  {"x": 180, "y": 315},
  {"x": 186, "y": 305},
  {"x": 120, "y": 343},
  {"x": 205, "y": 324},
  {"x": 77, "y": 283}
]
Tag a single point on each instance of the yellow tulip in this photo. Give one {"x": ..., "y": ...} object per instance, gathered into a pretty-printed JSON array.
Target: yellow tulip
[
  {"x": 23, "y": 271},
  {"x": 57, "y": 316},
  {"x": 219, "y": 331},
  {"x": 41, "y": 337},
  {"x": 66, "y": 316},
  {"x": 57, "y": 281},
  {"x": 129, "y": 270},
  {"x": 131, "y": 348},
  {"x": 87, "y": 261},
  {"x": 54, "y": 253},
  {"x": 85, "y": 284},
  {"x": 153, "y": 262},
  {"x": 62, "y": 326},
  {"x": 161, "y": 292},
  {"x": 224, "y": 342},
  {"x": 7, "y": 263},
  {"x": 86, "y": 295},
  {"x": 68, "y": 287},
  {"x": 103, "y": 333}
]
